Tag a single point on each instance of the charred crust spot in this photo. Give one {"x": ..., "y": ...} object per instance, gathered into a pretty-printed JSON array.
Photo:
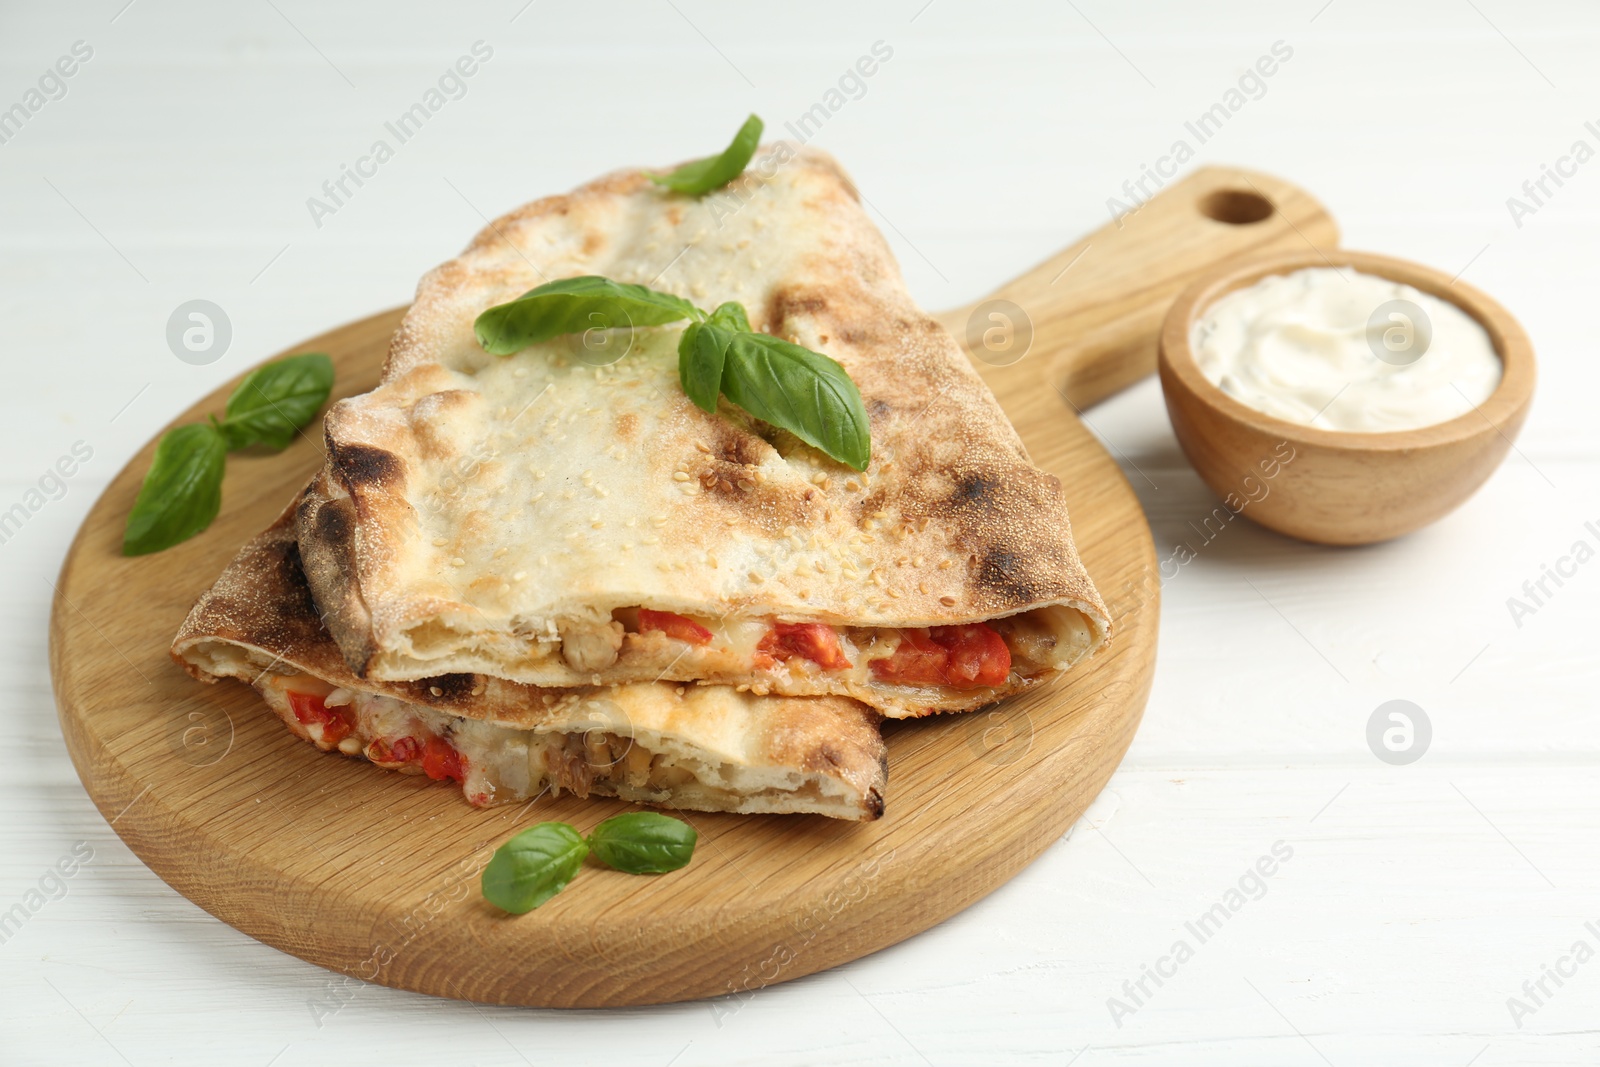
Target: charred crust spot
[
  {"x": 1006, "y": 572},
  {"x": 263, "y": 599},
  {"x": 334, "y": 522},
  {"x": 878, "y": 409},
  {"x": 362, "y": 466},
  {"x": 301, "y": 617},
  {"x": 975, "y": 489},
  {"x": 324, "y": 555},
  {"x": 874, "y": 803},
  {"x": 452, "y": 688}
]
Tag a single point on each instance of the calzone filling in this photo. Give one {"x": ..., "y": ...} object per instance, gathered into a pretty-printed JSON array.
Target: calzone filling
[
  {"x": 499, "y": 764},
  {"x": 785, "y": 657}
]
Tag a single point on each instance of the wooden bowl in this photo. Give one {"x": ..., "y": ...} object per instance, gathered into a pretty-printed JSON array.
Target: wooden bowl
[{"x": 1339, "y": 487}]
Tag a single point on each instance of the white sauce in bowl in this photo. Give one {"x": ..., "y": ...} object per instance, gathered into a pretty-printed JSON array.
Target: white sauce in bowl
[{"x": 1343, "y": 350}]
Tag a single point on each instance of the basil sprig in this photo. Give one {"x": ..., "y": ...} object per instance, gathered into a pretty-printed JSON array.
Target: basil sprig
[
  {"x": 801, "y": 391},
  {"x": 182, "y": 491},
  {"x": 538, "y": 863},
  {"x": 704, "y": 175}
]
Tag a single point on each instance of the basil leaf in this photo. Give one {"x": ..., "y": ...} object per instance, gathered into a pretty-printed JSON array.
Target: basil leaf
[
  {"x": 703, "y": 350},
  {"x": 182, "y": 491},
  {"x": 643, "y": 842},
  {"x": 704, "y": 175},
  {"x": 573, "y": 305},
  {"x": 274, "y": 401},
  {"x": 532, "y": 867},
  {"x": 804, "y": 392}
]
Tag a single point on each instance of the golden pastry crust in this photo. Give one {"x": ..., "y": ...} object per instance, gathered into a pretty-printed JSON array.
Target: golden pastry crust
[{"x": 473, "y": 505}]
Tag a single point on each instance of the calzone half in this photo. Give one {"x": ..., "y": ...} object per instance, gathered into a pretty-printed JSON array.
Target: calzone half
[
  {"x": 701, "y": 748},
  {"x": 566, "y": 515}
]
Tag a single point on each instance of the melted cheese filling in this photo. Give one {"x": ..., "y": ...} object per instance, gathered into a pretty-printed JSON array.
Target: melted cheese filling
[
  {"x": 503, "y": 764},
  {"x": 734, "y": 644},
  {"x": 617, "y": 649}
]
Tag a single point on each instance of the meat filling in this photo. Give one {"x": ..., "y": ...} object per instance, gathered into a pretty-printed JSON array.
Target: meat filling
[{"x": 588, "y": 648}]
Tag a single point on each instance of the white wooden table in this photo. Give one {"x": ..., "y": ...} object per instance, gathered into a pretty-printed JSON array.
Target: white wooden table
[{"x": 1418, "y": 899}]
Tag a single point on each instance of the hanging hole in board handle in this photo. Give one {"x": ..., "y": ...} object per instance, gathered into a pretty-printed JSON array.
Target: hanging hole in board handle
[{"x": 1236, "y": 207}]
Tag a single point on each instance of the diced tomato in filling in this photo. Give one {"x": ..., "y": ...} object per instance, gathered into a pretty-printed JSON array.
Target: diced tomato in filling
[
  {"x": 963, "y": 657},
  {"x": 815, "y": 641},
  {"x": 308, "y": 708},
  {"x": 978, "y": 654},
  {"x": 439, "y": 758},
  {"x": 404, "y": 750},
  {"x": 673, "y": 625},
  {"x": 918, "y": 661}
]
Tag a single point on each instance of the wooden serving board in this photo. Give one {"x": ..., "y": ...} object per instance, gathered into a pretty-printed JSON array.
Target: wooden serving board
[{"x": 374, "y": 874}]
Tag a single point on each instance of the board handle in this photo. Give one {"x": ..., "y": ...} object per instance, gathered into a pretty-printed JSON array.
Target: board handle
[{"x": 1088, "y": 317}]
